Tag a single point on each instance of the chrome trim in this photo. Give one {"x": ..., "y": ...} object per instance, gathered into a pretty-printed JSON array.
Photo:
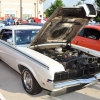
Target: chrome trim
[
  {"x": 77, "y": 82},
  {"x": 97, "y": 76}
]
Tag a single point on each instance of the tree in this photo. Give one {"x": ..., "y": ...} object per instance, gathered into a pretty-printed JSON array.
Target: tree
[
  {"x": 97, "y": 2},
  {"x": 79, "y": 3},
  {"x": 97, "y": 19},
  {"x": 56, "y": 4}
]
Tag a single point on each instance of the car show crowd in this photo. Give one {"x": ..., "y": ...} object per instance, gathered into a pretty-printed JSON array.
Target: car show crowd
[{"x": 10, "y": 20}]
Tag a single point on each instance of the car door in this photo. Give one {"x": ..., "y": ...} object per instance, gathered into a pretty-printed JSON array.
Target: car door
[
  {"x": 5, "y": 51},
  {"x": 89, "y": 38}
]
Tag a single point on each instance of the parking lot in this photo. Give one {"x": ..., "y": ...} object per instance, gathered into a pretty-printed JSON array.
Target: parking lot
[{"x": 11, "y": 89}]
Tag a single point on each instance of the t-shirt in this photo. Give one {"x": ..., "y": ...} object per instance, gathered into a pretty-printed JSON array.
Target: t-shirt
[
  {"x": 8, "y": 19},
  {"x": 11, "y": 22}
]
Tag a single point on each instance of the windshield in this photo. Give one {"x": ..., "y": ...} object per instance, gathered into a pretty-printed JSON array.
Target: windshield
[{"x": 24, "y": 36}]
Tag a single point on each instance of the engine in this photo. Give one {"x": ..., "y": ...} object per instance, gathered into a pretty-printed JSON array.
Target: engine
[{"x": 77, "y": 64}]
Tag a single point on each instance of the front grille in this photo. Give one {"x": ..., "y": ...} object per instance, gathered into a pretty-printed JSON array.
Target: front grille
[
  {"x": 81, "y": 73},
  {"x": 81, "y": 70}
]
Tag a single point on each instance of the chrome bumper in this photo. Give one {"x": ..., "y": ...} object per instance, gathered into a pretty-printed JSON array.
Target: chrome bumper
[{"x": 76, "y": 82}]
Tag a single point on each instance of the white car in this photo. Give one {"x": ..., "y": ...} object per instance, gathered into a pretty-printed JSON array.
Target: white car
[{"x": 44, "y": 56}]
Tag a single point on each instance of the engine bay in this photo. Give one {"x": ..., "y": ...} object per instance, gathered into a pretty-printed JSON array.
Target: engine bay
[
  {"x": 77, "y": 63},
  {"x": 68, "y": 56}
]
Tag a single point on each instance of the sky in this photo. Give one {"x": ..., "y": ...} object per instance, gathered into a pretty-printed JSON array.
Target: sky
[{"x": 47, "y": 3}]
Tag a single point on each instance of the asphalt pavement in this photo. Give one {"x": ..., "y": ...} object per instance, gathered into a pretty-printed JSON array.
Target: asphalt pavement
[{"x": 11, "y": 89}]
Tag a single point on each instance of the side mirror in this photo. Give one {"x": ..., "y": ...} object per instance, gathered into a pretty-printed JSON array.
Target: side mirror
[{"x": 10, "y": 41}]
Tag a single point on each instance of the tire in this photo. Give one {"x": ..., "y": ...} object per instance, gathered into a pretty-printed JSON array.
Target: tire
[{"x": 30, "y": 84}]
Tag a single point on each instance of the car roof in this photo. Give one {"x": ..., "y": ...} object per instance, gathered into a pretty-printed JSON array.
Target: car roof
[
  {"x": 35, "y": 24},
  {"x": 16, "y": 27},
  {"x": 97, "y": 27}
]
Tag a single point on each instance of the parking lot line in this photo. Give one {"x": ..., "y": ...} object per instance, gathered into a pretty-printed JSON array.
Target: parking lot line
[{"x": 2, "y": 97}]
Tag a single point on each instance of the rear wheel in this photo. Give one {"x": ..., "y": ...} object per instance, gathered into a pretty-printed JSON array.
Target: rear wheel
[{"x": 30, "y": 84}]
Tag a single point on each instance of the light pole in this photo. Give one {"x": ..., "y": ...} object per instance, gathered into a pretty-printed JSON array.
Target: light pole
[
  {"x": 16, "y": 14},
  {"x": 83, "y": 1},
  {"x": 21, "y": 10},
  {"x": 0, "y": 8},
  {"x": 39, "y": 2},
  {"x": 35, "y": 8}
]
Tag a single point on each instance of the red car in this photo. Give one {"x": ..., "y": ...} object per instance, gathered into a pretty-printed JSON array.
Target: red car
[{"x": 89, "y": 37}]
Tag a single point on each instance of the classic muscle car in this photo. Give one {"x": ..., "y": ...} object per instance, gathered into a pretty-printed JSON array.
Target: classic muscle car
[
  {"x": 44, "y": 56},
  {"x": 89, "y": 37}
]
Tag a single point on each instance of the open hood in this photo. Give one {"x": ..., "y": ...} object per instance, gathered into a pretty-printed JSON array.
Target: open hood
[{"x": 64, "y": 24}]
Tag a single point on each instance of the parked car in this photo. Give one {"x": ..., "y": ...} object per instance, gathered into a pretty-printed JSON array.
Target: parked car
[
  {"x": 4, "y": 22},
  {"x": 2, "y": 25},
  {"x": 32, "y": 23},
  {"x": 89, "y": 37},
  {"x": 43, "y": 55}
]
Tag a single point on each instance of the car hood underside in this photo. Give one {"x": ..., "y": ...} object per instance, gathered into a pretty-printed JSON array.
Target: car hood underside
[{"x": 63, "y": 25}]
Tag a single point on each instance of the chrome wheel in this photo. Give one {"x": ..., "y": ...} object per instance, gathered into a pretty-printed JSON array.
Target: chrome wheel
[
  {"x": 30, "y": 84},
  {"x": 28, "y": 80}
]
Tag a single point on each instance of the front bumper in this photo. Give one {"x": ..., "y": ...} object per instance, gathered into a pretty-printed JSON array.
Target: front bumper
[
  {"x": 69, "y": 86},
  {"x": 77, "y": 82}
]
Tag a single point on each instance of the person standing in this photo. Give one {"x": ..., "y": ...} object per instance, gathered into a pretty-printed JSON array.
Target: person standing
[
  {"x": 7, "y": 19},
  {"x": 11, "y": 21}
]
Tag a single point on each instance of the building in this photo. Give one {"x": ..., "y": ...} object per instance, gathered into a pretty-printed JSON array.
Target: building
[{"x": 21, "y": 8}]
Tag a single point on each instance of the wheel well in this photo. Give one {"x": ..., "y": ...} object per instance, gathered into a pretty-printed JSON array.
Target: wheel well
[{"x": 21, "y": 68}]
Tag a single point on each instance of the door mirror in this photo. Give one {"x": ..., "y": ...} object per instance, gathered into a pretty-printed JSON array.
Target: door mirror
[{"x": 10, "y": 41}]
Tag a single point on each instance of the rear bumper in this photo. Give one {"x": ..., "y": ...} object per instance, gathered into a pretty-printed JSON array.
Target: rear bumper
[{"x": 77, "y": 82}]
